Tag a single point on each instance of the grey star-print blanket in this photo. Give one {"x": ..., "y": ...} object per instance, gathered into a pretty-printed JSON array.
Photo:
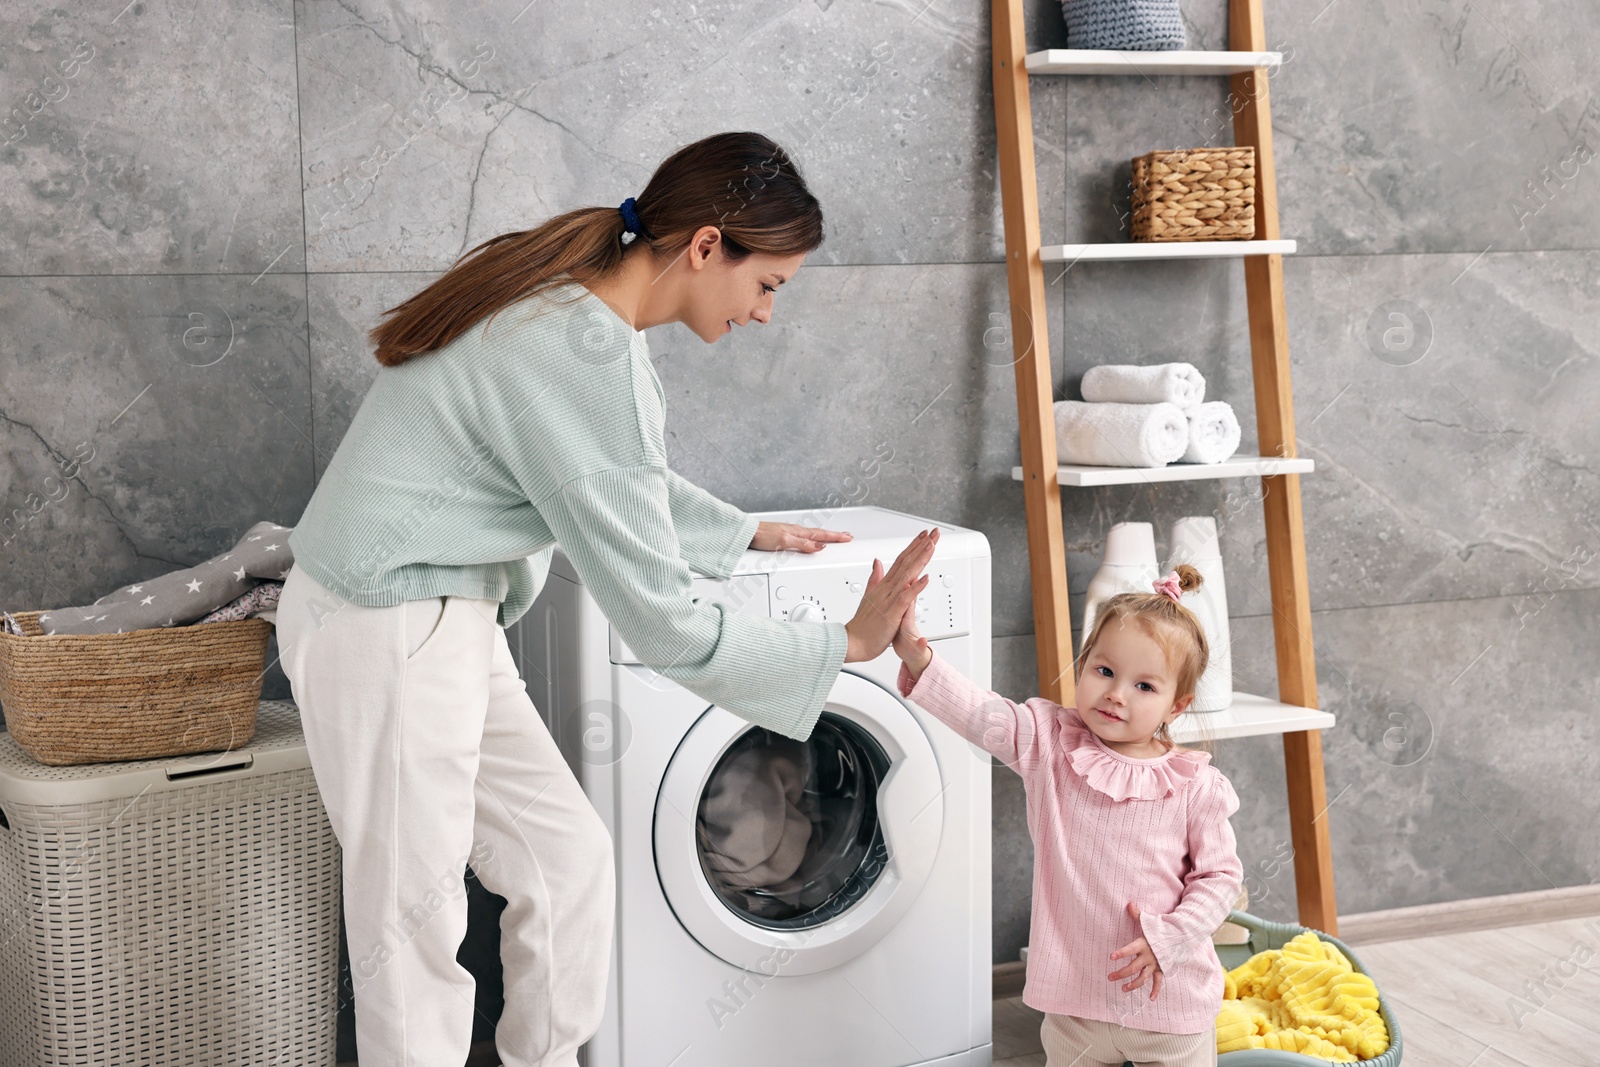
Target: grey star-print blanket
[{"x": 185, "y": 596}]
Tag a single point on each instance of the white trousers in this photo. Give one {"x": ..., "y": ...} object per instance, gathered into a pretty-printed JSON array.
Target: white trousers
[
  {"x": 430, "y": 756},
  {"x": 1073, "y": 1042}
]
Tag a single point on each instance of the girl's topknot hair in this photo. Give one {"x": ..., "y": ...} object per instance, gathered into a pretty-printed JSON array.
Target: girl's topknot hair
[
  {"x": 1189, "y": 578},
  {"x": 1171, "y": 625}
]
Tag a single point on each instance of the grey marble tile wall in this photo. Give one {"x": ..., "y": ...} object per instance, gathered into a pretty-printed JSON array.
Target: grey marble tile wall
[{"x": 205, "y": 212}]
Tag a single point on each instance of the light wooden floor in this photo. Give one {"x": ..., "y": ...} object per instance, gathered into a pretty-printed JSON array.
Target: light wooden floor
[
  {"x": 1487, "y": 998},
  {"x": 1461, "y": 1000}
]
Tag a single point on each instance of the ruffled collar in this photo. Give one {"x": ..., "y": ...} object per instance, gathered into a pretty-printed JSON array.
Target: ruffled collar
[{"x": 1123, "y": 777}]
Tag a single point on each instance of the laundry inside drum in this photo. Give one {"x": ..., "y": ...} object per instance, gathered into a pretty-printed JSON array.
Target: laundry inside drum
[{"x": 788, "y": 830}]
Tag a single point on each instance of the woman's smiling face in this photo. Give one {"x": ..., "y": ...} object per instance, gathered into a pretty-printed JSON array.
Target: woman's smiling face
[
  {"x": 725, "y": 294},
  {"x": 1127, "y": 688}
]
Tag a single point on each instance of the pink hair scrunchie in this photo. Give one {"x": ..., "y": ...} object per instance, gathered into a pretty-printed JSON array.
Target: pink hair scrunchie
[{"x": 1169, "y": 585}]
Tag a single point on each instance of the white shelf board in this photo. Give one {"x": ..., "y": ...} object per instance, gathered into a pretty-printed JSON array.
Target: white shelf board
[
  {"x": 1108, "y": 61},
  {"x": 1247, "y": 716},
  {"x": 1164, "y": 250},
  {"x": 1084, "y": 474}
]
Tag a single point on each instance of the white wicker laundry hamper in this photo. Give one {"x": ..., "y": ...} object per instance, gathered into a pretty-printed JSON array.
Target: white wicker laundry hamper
[{"x": 179, "y": 912}]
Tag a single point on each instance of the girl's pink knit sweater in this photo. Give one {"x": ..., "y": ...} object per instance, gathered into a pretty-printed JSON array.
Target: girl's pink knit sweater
[{"x": 1107, "y": 829}]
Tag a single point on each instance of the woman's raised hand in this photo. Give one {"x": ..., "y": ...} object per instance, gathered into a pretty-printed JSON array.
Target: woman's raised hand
[{"x": 887, "y": 597}]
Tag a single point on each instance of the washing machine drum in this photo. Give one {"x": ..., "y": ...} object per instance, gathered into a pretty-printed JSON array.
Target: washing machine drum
[
  {"x": 810, "y": 847},
  {"x": 787, "y": 831}
]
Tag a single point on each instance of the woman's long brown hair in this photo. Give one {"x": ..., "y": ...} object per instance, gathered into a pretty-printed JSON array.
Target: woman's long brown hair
[{"x": 740, "y": 182}]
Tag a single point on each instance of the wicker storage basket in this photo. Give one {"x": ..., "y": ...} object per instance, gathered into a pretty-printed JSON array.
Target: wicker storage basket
[
  {"x": 1195, "y": 194},
  {"x": 144, "y": 694},
  {"x": 170, "y": 913}
]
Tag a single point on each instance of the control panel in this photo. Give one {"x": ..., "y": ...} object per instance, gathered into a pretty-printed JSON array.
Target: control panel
[{"x": 832, "y": 594}]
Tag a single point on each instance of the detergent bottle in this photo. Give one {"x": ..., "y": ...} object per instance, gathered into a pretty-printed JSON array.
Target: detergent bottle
[
  {"x": 1129, "y": 566},
  {"x": 1194, "y": 541}
]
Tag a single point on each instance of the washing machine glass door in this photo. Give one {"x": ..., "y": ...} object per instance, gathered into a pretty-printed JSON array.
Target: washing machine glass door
[{"x": 791, "y": 857}]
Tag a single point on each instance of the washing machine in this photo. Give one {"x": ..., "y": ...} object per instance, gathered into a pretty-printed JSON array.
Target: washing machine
[{"x": 779, "y": 903}]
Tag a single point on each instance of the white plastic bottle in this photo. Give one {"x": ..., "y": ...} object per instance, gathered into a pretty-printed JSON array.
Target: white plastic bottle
[
  {"x": 1194, "y": 541},
  {"x": 1129, "y": 566}
]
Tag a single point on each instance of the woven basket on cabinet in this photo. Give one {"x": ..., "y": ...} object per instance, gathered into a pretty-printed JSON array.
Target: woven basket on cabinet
[
  {"x": 1195, "y": 194},
  {"x": 144, "y": 694}
]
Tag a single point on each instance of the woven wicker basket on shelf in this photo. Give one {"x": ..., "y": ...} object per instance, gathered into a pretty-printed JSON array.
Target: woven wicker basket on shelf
[
  {"x": 144, "y": 694},
  {"x": 1195, "y": 194}
]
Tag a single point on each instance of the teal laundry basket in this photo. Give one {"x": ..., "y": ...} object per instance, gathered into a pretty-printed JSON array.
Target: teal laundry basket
[{"x": 1266, "y": 934}]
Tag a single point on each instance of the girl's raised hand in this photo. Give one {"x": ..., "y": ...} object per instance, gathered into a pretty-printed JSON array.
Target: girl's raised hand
[
  {"x": 910, "y": 645},
  {"x": 1144, "y": 959}
]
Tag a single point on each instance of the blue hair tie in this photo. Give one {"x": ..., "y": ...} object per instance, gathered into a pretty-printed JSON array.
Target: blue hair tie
[{"x": 630, "y": 218}]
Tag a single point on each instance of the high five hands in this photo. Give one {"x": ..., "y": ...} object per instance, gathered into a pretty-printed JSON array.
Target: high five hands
[
  {"x": 1143, "y": 959},
  {"x": 889, "y": 597}
]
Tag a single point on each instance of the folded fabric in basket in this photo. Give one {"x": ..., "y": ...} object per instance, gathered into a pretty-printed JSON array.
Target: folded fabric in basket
[
  {"x": 262, "y": 601},
  {"x": 1306, "y": 997},
  {"x": 183, "y": 596},
  {"x": 1123, "y": 383},
  {"x": 1213, "y": 433},
  {"x": 1120, "y": 435}
]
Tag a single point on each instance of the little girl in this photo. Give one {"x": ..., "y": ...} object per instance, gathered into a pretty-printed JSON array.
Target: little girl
[{"x": 1134, "y": 860}]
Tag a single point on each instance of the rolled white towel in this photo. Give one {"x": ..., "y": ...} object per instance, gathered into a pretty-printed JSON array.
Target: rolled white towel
[
  {"x": 1164, "y": 383},
  {"x": 1119, "y": 435},
  {"x": 1213, "y": 433}
]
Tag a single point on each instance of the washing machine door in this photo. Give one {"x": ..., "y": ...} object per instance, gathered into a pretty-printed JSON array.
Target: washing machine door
[{"x": 790, "y": 857}]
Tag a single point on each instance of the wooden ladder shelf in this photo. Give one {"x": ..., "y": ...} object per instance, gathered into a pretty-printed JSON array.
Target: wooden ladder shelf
[{"x": 1294, "y": 714}]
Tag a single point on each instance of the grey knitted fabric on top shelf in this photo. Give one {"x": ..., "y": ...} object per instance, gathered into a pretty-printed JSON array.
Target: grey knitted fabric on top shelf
[{"x": 1139, "y": 25}]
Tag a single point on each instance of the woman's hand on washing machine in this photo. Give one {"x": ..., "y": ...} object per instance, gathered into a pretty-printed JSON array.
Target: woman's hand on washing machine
[
  {"x": 888, "y": 595},
  {"x": 790, "y": 537}
]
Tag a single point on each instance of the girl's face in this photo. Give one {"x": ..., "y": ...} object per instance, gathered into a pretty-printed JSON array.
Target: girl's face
[{"x": 1127, "y": 689}]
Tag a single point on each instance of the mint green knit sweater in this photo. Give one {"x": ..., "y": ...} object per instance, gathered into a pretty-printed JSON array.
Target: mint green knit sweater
[{"x": 464, "y": 466}]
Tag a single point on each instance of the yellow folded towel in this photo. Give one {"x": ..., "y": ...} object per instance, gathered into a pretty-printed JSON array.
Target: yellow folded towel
[{"x": 1305, "y": 998}]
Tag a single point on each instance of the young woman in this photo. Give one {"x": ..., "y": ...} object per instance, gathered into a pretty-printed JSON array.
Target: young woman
[{"x": 479, "y": 446}]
